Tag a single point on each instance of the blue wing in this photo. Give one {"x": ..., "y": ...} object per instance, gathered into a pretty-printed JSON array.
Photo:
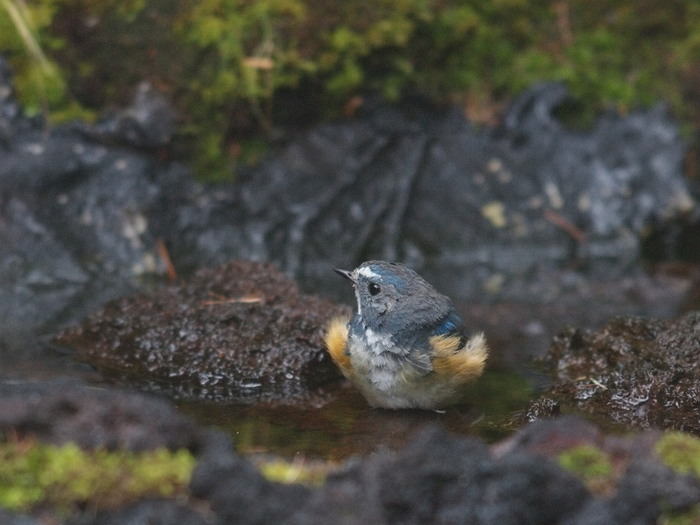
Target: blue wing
[
  {"x": 419, "y": 351},
  {"x": 450, "y": 326}
]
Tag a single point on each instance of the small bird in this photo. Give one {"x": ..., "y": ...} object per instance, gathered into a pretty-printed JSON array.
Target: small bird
[{"x": 405, "y": 347}]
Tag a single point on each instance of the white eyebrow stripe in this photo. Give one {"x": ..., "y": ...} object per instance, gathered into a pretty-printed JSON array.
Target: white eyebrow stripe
[{"x": 367, "y": 272}]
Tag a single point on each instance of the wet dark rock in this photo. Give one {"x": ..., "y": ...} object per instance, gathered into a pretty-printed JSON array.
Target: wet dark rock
[
  {"x": 542, "y": 408},
  {"x": 241, "y": 331},
  {"x": 62, "y": 411},
  {"x": 634, "y": 371}
]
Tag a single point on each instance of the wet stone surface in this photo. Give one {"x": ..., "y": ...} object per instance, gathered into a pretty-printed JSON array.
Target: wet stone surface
[
  {"x": 242, "y": 331},
  {"x": 634, "y": 371}
]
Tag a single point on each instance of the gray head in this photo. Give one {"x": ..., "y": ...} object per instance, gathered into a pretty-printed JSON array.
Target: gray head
[{"x": 392, "y": 296}]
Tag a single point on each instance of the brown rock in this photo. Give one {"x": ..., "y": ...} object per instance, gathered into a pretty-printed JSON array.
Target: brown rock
[{"x": 242, "y": 331}]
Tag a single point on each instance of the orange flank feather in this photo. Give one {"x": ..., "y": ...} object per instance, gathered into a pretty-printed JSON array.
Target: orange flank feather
[
  {"x": 336, "y": 344},
  {"x": 463, "y": 363}
]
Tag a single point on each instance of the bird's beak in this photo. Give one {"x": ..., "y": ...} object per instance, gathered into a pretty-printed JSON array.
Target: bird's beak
[{"x": 345, "y": 273}]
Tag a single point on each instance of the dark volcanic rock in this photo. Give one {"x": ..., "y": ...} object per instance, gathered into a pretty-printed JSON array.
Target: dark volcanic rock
[
  {"x": 634, "y": 371},
  {"x": 242, "y": 331}
]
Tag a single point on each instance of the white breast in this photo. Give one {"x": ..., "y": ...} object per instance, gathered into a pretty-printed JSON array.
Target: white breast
[
  {"x": 376, "y": 360},
  {"x": 380, "y": 343}
]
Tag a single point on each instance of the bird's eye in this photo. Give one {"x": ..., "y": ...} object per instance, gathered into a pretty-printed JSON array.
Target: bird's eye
[{"x": 374, "y": 288}]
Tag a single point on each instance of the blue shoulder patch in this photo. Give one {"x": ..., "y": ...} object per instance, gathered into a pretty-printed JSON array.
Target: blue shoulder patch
[{"x": 452, "y": 324}]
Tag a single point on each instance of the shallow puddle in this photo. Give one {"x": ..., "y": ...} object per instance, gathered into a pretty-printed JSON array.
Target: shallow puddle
[{"x": 348, "y": 426}]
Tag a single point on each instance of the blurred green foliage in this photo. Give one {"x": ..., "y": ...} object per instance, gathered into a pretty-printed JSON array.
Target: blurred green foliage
[
  {"x": 66, "y": 478},
  {"x": 37, "y": 77},
  {"x": 239, "y": 68}
]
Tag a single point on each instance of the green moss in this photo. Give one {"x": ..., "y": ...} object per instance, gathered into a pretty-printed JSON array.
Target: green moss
[
  {"x": 681, "y": 452},
  {"x": 225, "y": 62},
  {"x": 67, "y": 477},
  {"x": 591, "y": 465}
]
